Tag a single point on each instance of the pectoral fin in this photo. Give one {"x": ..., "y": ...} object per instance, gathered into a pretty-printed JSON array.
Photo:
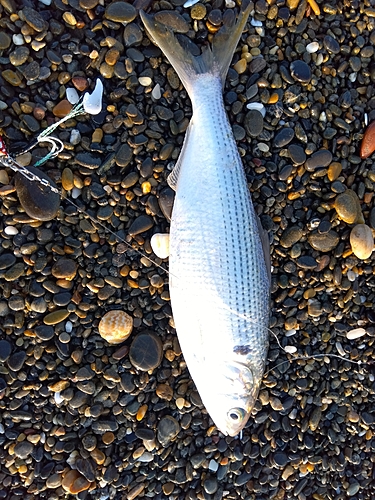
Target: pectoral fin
[{"x": 266, "y": 246}]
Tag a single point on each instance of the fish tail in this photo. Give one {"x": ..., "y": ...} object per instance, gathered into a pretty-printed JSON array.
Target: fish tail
[{"x": 215, "y": 59}]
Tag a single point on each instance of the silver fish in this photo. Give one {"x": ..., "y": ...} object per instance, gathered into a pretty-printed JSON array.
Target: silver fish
[{"x": 219, "y": 280}]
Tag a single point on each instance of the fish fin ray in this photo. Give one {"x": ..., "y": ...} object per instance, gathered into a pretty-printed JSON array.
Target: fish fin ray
[
  {"x": 172, "y": 178},
  {"x": 215, "y": 59},
  {"x": 266, "y": 246}
]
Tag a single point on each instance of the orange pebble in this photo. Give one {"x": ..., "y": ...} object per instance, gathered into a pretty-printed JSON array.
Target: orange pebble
[
  {"x": 62, "y": 108},
  {"x": 141, "y": 412},
  {"x": 80, "y": 83},
  {"x": 368, "y": 142}
]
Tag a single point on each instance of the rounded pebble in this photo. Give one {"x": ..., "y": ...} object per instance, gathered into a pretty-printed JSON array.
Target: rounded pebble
[
  {"x": 362, "y": 241},
  {"x": 146, "y": 351},
  {"x": 115, "y": 326}
]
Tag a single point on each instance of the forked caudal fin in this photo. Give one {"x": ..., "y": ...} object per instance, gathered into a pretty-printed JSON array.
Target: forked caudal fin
[{"x": 215, "y": 59}]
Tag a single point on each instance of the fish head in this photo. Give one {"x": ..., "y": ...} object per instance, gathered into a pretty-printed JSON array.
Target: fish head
[{"x": 231, "y": 405}]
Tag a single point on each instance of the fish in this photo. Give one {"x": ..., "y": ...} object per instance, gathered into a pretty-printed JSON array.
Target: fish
[{"x": 219, "y": 256}]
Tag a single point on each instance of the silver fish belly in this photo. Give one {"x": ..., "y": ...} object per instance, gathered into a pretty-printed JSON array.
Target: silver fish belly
[{"x": 219, "y": 281}]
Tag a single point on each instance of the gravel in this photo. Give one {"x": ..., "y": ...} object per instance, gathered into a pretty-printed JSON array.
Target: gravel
[{"x": 82, "y": 418}]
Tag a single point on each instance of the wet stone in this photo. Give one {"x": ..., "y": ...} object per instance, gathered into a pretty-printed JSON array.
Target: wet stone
[
  {"x": 11, "y": 77},
  {"x": 132, "y": 35},
  {"x": 5, "y": 40},
  {"x": 7, "y": 260},
  {"x": 300, "y": 71},
  {"x": 297, "y": 154},
  {"x": 102, "y": 426},
  {"x": 4, "y": 309},
  {"x": 253, "y": 122},
  {"x": 321, "y": 158},
  {"x": 16, "y": 361},
  {"x": 168, "y": 429},
  {"x": 331, "y": 44},
  {"x": 15, "y": 272},
  {"x": 210, "y": 485},
  {"x": 283, "y": 137},
  {"x": 257, "y": 65},
  {"x": 88, "y": 160},
  {"x": 56, "y": 317},
  {"x": 5, "y": 350},
  {"x": 16, "y": 303},
  {"x": 34, "y": 19},
  {"x": 290, "y": 236},
  {"x": 280, "y": 459},
  {"x": 140, "y": 225},
  {"x": 64, "y": 268},
  {"x": 31, "y": 71},
  {"x": 146, "y": 351},
  {"x": 23, "y": 449},
  {"x": 325, "y": 242},
  {"x": 86, "y": 468},
  {"x": 348, "y": 207},
  {"x": 123, "y": 155},
  {"x": 121, "y": 12},
  {"x": 306, "y": 262},
  {"x": 38, "y": 201},
  {"x": 163, "y": 113},
  {"x": 166, "y": 198},
  {"x": 19, "y": 55},
  {"x": 80, "y": 398}
]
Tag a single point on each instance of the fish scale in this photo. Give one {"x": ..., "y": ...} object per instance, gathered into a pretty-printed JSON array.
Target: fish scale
[{"x": 219, "y": 282}]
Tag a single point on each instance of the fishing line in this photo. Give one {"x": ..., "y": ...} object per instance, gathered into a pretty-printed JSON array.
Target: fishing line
[{"x": 313, "y": 356}]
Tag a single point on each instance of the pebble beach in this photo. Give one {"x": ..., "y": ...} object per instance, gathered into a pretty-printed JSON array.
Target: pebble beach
[{"x": 96, "y": 401}]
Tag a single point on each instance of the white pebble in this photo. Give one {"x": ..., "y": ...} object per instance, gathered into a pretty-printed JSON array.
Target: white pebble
[
  {"x": 213, "y": 465},
  {"x": 92, "y": 103},
  {"x": 259, "y": 30},
  {"x": 319, "y": 59},
  {"x": 145, "y": 81},
  {"x": 2, "y": 429},
  {"x": 255, "y": 22},
  {"x": 75, "y": 137},
  {"x": 72, "y": 95},
  {"x": 257, "y": 105},
  {"x": 351, "y": 275},
  {"x": 290, "y": 349},
  {"x": 45, "y": 2},
  {"x": 323, "y": 117},
  {"x": 58, "y": 398},
  {"x": 312, "y": 47},
  {"x": 68, "y": 327},
  {"x": 190, "y": 3},
  {"x": 229, "y": 4},
  {"x": 353, "y": 77},
  {"x": 263, "y": 147},
  {"x": 11, "y": 230},
  {"x": 76, "y": 193},
  {"x": 290, "y": 333},
  {"x": 365, "y": 117},
  {"x": 146, "y": 457},
  {"x": 160, "y": 245},
  {"x": 356, "y": 333},
  {"x": 18, "y": 39},
  {"x": 340, "y": 349},
  {"x": 3, "y": 105},
  {"x": 156, "y": 92}
]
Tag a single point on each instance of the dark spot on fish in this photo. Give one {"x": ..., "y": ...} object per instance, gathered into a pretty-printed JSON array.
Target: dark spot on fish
[{"x": 242, "y": 349}]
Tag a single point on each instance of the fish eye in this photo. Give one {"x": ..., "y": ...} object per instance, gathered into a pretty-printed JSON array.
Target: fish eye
[{"x": 236, "y": 414}]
